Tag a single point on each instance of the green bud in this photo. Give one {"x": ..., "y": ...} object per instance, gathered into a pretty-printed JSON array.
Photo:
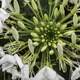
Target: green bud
[
  {"x": 51, "y": 52},
  {"x": 62, "y": 11},
  {"x": 35, "y": 43},
  {"x": 21, "y": 25},
  {"x": 34, "y": 34},
  {"x": 43, "y": 40},
  {"x": 58, "y": 24},
  {"x": 68, "y": 33},
  {"x": 56, "y": 2},
  {"x": 35, "y": 20},
  {"x": 54, "y": 45},
  {"x": 46, "y": 17},
  {"x": 51, "y": 23},
  {"x": 37, "y": 29},
  {"x": 44, "y": 48},
  {"x": 75, "y": 20},
  {"x": 65, "y": 2},
  {"x": 56, "y": 12},
  {"x": 73, "y": 38},
  {"x": 42, "y": 23},
  {"x": 63, "y": 27},
  {"x": 36, "y": 39},
  {"x": 34, "y": 5}
]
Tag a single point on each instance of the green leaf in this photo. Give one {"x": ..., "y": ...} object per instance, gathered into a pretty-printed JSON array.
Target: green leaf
[
  {"x": 30, "y": 45},
  {"x": 21, "y": 25},
  {"x": 44, "y": 48},
  {"x": 15, "y": 33},
  {"x": 75, "y": 20},
  {"x": 16, "y": 6},
  {"x": 56, "y": 12},
  {"x": 73, "y": 38}
]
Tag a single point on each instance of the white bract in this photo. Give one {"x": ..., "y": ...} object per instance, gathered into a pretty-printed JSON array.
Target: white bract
[
  {"x": 5, "y": 4},
  {"x": 3, "y": 15}
]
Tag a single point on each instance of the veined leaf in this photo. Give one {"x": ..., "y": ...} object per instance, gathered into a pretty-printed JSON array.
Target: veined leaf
[
  {"x": 15, "y": 33},
  {"x": 16, "y": 6},
  {"x": 30, "y": 45},
  {"x": 73, "y": 38},
  {"x": 75, "y": 20}
]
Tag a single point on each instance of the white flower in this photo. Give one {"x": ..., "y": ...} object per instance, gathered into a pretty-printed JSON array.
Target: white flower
[
  {"x": 5, "y": 4},
  {"x": 3, "y": 15},
  {"x": 25, "y": 72}
]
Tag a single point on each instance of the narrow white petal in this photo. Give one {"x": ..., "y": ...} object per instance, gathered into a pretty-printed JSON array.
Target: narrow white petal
[
  {"x": 3, "y": 15},
  {"x": 18, "y": 60},
  {"x": 25, "y": 72}
]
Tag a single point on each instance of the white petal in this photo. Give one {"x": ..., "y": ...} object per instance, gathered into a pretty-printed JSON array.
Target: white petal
[
  {"x": 18, "y": 60},
  {"x": 40, "y": 75},
  {"x": 7, "y": 59},
  {"x": 25, "y": 72},
  {"x": 6, "y": 66},
  {"x": 5, "y": 4},
  {"x": 3, "y": 15},
  {"x": 1, "y": 52},
  {"x": 75, "y": 74}
]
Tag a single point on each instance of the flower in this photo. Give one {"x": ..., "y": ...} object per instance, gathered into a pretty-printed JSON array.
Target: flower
[
  {"x": 5, "y": 4},
  {"x": 3, "y": 15}
]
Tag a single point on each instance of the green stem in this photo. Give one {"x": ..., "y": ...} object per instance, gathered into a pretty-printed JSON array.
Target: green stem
[{"x": 39, "y": 5}]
